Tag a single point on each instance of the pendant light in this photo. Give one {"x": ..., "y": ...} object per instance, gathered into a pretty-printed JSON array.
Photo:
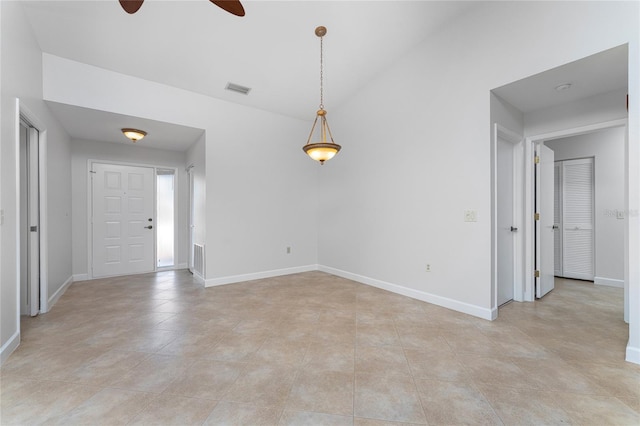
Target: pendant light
[{"x": 324, "y": 149}]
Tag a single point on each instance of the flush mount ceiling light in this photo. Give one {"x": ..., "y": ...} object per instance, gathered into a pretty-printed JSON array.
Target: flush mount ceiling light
[
  {"x": 563, "y": 86},
  {"x": 134, "y": 134},
  {"x": 324, "y": 149}
]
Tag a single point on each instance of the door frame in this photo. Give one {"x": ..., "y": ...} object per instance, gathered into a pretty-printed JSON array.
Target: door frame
[
  {"x": 24, "y": 113},
  {"x": 518, "y": 160},
  {"x": 529, "y": 202}
]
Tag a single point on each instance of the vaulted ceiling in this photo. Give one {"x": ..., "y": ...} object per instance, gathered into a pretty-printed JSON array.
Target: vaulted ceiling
[
  {"x": 194, "y": 45},
  {"x": 197, "y": 46}
]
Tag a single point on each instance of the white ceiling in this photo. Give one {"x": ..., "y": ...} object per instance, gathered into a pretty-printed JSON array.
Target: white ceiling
[
  {"x": 197, "y": 46},
  {"x": 90, "y": 124},
  {"x": 594, "y": 75}
]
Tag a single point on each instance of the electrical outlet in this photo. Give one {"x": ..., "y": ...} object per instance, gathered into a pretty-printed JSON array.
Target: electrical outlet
[
  {"x": 428, "y": 269},
  {"x": 470, "y": 216},
  {"x": 288, "y": 250}
]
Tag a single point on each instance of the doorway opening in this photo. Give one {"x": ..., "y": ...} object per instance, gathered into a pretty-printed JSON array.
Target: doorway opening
[{"x": 560, "y": 142}]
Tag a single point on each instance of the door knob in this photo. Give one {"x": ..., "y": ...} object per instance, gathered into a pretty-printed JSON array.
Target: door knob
[
  {"x": 149, "y": 227},
  {"x": 514, "y": 229}
]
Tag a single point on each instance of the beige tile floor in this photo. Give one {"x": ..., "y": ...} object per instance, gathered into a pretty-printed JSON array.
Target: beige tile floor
[{"x": 312, "y": 349}]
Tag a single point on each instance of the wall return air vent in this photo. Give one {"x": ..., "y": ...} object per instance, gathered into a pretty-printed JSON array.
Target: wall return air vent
[{"x": 238, "y": 89}]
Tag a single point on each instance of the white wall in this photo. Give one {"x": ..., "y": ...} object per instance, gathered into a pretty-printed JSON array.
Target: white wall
[
  {"x": 607, "y": 149},
  {"x": 415, "y": 156},
  {"x": 81, "y": 152},
  {"x": 21, "y": 77},
  {"x": 261, "y": 189}
]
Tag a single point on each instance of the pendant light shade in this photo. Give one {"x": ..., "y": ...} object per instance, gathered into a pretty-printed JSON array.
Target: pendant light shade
[{"x": 323, "y": 148}]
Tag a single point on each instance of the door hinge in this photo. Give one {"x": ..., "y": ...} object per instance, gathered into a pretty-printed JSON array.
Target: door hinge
[
  {"x": 536, "y": 159},
  {"x": 536, "y": 274},
  {"x": 536, "y": 216}
]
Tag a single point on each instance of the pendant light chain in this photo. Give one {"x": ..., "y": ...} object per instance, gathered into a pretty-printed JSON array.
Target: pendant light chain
[{"x": 321, "y": 76}]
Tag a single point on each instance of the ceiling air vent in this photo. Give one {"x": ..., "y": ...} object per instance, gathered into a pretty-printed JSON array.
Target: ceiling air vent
[{"x": 238, "y": 89}]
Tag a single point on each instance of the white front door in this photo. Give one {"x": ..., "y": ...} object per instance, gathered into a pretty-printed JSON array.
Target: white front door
[
  {"x": 545, "y": 221},
  {"x": 505, "y": 219},
  {"x": 122, "y": 219}
]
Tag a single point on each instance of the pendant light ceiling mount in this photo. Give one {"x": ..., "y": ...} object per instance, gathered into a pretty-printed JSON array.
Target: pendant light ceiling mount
[
  {"x": 321, "y": 31},
  {"x": 324, "y": 149}
]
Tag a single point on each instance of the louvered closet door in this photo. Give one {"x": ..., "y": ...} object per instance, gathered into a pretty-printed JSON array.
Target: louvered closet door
[{"x": 577, "y": 206}]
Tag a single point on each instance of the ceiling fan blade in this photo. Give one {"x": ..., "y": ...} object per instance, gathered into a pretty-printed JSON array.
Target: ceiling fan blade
[
  {"x": 231, "y": 6},
  {"x": 131, "y": 6}
]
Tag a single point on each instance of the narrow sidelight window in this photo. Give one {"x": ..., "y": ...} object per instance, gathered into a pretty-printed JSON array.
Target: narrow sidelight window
[{"x": 165, "y": 186}]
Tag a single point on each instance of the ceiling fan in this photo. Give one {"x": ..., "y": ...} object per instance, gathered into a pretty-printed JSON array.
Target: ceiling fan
[{"x": 231, "y": 6}]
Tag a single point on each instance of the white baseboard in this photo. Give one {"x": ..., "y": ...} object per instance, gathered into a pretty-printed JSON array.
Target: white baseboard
[
  {"x": 10, "y": 346},
  {"x": 198, "y": 277},
  {"x": 466, "y": 308},
  {"x": 80, "y": 277},
  {"x": 608, "y": 282},
  {"x": 54, "y": 298},
  {"x": 633, "y": 355},
  {"x": 212, "y": 282}
]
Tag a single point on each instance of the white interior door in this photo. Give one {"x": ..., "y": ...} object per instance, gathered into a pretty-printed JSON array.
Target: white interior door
[
  {"x": 122, "y": 220},
  {"x": 505, "y": 219},
  {"x": 544, "y": 223},
  {"x": 34, "y": 222},
  {"x": 29, "y": 220},
  {"x": 577, "y": 205}
]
